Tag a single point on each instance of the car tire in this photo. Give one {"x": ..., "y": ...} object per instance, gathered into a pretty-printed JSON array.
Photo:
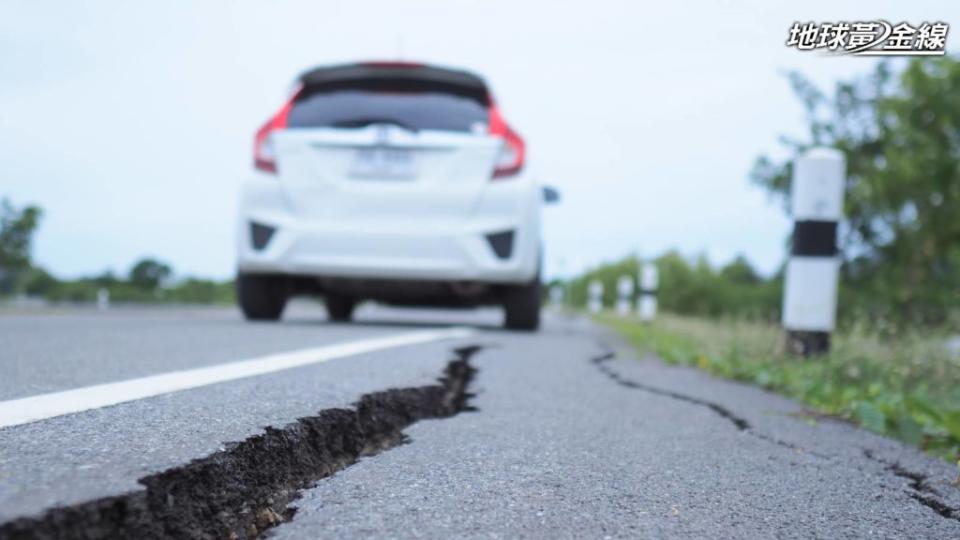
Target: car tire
[
  {"x": 339, "y": 307},
  {"x": 261, "y": 297},
  {"x": 521, "y": 305}
]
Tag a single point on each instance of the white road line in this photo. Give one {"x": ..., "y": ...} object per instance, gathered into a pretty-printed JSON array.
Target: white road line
[{"x": 43, "y": 406}]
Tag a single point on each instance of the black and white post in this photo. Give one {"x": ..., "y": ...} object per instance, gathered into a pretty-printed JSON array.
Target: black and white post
[
  {"x": 624, "y": 295},
  {"x": 647, "y": 304},
  {"x": 556, "y": 295},
  {"x": 595, "y": 296},
  {"x": 103, "y": 299},
  {"x": 810, "y": 288}
]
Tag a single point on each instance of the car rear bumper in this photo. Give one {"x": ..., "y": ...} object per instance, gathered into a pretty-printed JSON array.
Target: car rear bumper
[
  {"x": 487, "y": 247},
  {"x": 467, "y": 256}
]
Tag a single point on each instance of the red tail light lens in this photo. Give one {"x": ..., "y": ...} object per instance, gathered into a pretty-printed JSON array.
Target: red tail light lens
[
  {"x": 264, "y": 156},
  {"x": 510, "y": 159}
]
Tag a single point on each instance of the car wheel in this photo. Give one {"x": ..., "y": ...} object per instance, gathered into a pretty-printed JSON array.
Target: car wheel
[
  {"x": 522, "y": 307},
  {"x": 339, "y": 307},
  {"x": 261, "y": 297}
]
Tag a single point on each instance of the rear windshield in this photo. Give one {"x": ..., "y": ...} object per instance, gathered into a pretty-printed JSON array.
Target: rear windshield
[{"x": 412, "y": 110}]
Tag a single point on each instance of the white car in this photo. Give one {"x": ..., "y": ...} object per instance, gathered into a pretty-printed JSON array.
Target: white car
[{"x": 394, "y": 182}]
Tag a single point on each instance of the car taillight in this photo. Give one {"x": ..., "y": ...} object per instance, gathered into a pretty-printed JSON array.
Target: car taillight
[
  {"x": 264, "y": 157},
  {"x": 510, "y": 158}
]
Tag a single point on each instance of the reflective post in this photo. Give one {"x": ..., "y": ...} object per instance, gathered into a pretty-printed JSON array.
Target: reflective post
[
  {"x": 810, "y": 286},
  {"x": 647, "y": 305},
  {"x": 556, "y": 295},
  {"x": 103, "y": 299},
  {"x": 595, "y": 296},
  {"x": 624, "y": 295}
]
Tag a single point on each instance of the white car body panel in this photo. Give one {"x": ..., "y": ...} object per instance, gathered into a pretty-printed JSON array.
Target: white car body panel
[{"x": 335, "y": 218}]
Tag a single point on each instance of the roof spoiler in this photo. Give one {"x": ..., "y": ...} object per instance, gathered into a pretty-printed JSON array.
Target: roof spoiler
[{"x": 395, "y": 77}]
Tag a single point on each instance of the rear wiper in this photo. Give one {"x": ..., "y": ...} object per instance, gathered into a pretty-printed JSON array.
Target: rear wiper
[{"x": 364, "y": 122}]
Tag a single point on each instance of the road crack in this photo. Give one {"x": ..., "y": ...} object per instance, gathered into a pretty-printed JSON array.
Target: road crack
[
  {"x": 247, "y": 488},
  {"x": 602, "y": 362},
  {"x": 918, "y": 487}
]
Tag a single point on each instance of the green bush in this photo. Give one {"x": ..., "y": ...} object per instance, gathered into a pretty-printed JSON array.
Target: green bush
[
  {"x": 691, "y": 287},
  {"x": 202, "y": 291},
  {"x": 900, "y": 241},
  {"x": 40, "y": 283}
]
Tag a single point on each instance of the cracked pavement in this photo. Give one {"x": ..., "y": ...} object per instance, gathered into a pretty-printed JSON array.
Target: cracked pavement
[{"x": 572, "y": 436}]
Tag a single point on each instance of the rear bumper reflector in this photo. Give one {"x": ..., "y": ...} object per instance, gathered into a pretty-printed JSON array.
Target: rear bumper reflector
[
  {"x": 501, "y": 243},
  {"x": 260, "y": 235}
]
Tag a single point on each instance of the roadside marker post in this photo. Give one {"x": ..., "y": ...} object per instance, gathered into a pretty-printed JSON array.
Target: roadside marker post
[
  {"x": 624, "y": 295},
  {"x": 647, "y": 305},
  {"x": 595, "y": 296},
  {"x": 556, "y": 295},
  {"x": 810, "y": 286},
  {"x": 103, "y": 299}
]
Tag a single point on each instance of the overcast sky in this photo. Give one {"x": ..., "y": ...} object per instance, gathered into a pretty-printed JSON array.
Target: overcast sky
[{"x": 131, "y": 123}]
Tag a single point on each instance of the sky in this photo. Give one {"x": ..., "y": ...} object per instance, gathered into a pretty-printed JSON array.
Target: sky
[{"x": 131, "y": 123}]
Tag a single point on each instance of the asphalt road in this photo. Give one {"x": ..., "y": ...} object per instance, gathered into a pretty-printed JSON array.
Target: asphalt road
[{"x": 572, "y": 436}]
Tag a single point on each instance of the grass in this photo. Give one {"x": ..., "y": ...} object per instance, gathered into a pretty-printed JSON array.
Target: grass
[{"x": 907, "y": 388}]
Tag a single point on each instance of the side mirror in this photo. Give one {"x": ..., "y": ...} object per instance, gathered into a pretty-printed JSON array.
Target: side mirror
[{"x": 551, "y": 195}]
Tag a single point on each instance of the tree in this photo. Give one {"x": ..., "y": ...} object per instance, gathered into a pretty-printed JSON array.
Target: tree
[
  {"x": 608, "y": 274},
  {"x": 740, "y": 272},
  {"x": 16, "y": 234},
  {"x": 39, "y": 282},
  {"x": 148, "y": 274},
  {"x": 105, "y": 279},
  {"x": 692, "y": 286},
  {"x": 901, "y": 137}
]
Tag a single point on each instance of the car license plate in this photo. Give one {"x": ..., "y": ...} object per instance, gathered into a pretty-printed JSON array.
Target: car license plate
[{"x": 383, "y": 163}]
